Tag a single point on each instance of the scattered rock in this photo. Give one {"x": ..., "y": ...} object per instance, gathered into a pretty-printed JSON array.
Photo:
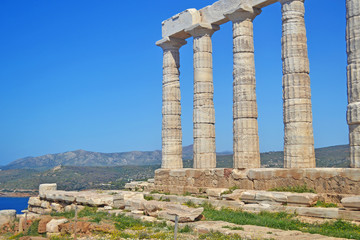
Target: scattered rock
[
  {"x": 7, "y": 216},
  {"x": 53, "y": 225},
  {"x": 351, "y": 202}
]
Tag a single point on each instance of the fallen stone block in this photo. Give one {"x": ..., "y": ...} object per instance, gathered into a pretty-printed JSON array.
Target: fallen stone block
[
  {"x": 235, "y": 195},
  {"x": 35, "y": 201},
  {"x": 306, "y": 199},
  {"x": 7, "y": 216},
  {"x": 351, "y": 202},
  {"x": 53, "y": 225},
  {"x": 44, "y": 188},
  {"x": 215, "y": 192},
  {"x": 331, "y": 213}
]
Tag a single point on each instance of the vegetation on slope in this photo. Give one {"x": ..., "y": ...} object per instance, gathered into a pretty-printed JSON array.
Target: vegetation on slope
[{"x": 76, "y": 178}]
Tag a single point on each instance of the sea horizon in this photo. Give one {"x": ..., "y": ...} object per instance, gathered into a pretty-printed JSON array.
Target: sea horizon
[{"x": 14, "y": 203}]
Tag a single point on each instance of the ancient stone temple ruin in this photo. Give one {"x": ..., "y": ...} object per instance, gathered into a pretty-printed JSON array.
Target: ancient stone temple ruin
[{"x": 299, "y": 151}]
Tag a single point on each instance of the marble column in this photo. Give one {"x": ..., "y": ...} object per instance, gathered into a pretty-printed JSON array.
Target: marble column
[
  {"x": 171, "y": 109},
  {"x": 353, "y": 76},
  {"x": 204, "y": 112},
  {"x": 299, "y": 138},
  {"x": 245, "y": 125}
]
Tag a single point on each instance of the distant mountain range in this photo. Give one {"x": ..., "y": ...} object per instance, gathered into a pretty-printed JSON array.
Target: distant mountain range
[{"x": 335, "y": 156}]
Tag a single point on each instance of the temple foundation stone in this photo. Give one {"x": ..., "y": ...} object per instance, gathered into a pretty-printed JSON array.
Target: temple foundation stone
[
  {"x": 171, "y": 109},
  {"x": 298, "y": 140},
  {"x": 353, "y": 76},
  {"x": 245, "y": 125},
  {"x": 204, "y": 112}
]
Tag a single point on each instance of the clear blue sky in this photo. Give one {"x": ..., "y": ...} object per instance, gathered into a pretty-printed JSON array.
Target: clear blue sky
[{"x": 86, "y": 74}]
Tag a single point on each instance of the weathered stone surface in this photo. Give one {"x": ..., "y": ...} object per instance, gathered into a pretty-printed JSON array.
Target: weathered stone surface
[
  {"x": 42, "y": 224},
  {"x": 44, "y": 188},
  {"x": 245, "y": 126},
  {"x": 168, "y": 211},
  {"x": 322, "y": 180},
  {"x": 302, "y": 198},
  {"x": 204, "y": 112},
  {"x": 35, "y": 201},
  {"x": 7, "y": 216},
  {"x": 353, "y": 79},
  {"x": 53, "y": 225},
  {"x": 213, "y": 14},
  {"x": 298, "y": 140},
  {"x": 171, "y": 110},
  {"x": 215, "y": 192},
  {"x": 351, "y": 202},
  {"x": 235, "y": 195}
]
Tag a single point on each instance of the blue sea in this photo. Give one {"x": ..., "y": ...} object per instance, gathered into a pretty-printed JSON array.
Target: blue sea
[{"x": 14, "y": 203}]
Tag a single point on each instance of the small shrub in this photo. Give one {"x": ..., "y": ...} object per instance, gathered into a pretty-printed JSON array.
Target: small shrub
[
  {"x": 187, "y": 194},
  {"x": 186, "y": 229},
  {"x": 325, "y": 205},
  {"x": 190, "y": 204},
  {"x": 148, "y": 198},
  {"x": 234, "y": 228},
  {"x": 296, "y": 189}
]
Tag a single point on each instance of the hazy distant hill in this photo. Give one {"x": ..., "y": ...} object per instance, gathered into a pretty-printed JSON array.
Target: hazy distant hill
[
  {"x": 336, "y": 156},
  {"x": 75, "y": 178}
]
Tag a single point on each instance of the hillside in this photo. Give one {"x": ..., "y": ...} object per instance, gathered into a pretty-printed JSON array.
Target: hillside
[
  {"x": 87, "y": 158},
  {"x": 335, "y": 156},
  {"x": 75, "y": 178}
]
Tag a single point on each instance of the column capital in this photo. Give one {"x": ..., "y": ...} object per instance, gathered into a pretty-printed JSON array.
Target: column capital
[
  {"x": 286, "y": 1},
  {"x": 201, "y": 29},
  {"x": 169, "y": 43},
  {"x": 244, "y": 12}
]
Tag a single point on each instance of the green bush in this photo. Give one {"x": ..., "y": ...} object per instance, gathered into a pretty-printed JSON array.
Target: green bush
[{"x": 296, "y": 189}]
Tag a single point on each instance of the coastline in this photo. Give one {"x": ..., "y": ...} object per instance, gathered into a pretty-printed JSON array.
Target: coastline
[{"x": 4, "y": 193}]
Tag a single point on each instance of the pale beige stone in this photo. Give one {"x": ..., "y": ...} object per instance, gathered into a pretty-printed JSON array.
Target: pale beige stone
[
  {"x": 353, "y": 79},
  {"x": 53, "y": 225},
  {"x": 204, "y": 112},
  {"x": 245, "y": 126},
  {"x": 298, "y": 140},
  {"x": 43, "y": 188},
  {"x": 7, "y": 216},
  {"x": 171, "y": 110}
]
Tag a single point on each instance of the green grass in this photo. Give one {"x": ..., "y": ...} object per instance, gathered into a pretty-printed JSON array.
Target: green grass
[
  {"x": 234, "y": 228},
  {"x": 219, "y": 236},
  {"x": 295, "y": 189},
  {"x": 190, "y": 204},
  {"x": 231, "y": 190},
  {"x": 186, "y": 229},
  {"x": 148, "y": 198},
  {"x": 325, "y": 205},
  {"x": 284, "y": 221},
  {"x": 68, "y": 215}
]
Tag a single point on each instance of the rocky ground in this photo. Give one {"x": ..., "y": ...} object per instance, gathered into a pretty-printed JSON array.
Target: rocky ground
[{"x": 217, "y": 214}]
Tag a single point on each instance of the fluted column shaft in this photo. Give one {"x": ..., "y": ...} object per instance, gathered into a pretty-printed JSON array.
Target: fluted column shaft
[
  {"x": 171, "y": 109},
  {"x": 245, "y": 125},
  {"x": 204, "y": 112},
  {"x": 353, "y": 76},
  {"x": 299, "y": 139}
]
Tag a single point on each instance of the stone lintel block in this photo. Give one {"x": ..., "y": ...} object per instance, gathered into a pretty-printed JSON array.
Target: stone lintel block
[
  {"x": 175, "y": 25},
  {"x": 215, "y": 192},
  {"x": 213, "y": 14},
  {"x": 245, "y": 11}
]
